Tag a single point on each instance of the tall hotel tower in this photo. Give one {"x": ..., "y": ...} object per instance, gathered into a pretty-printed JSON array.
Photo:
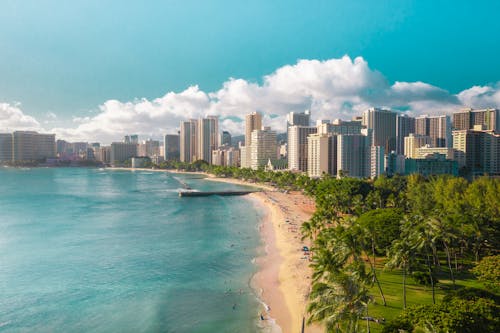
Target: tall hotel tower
[
  {"x": 253, "y": 121},
  {"x": 383, "y": 126},
  {"x": 188, "y": 140},
  {"x": 298, "y": 128},
  {"x": 208, "y": 138}
]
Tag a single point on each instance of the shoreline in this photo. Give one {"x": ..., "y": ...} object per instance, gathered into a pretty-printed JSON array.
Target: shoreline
[{"x": 283, "y": 277}]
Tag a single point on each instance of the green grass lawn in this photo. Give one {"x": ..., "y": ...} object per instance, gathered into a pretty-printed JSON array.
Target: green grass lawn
[{"x": 392, "y": 286}]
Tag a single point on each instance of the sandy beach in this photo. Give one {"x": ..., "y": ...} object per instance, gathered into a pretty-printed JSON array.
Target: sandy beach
[{"x": 284, "y": 275}]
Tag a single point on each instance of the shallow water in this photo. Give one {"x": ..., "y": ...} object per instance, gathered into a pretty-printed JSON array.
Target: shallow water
[{"x": 116, "y": 251}]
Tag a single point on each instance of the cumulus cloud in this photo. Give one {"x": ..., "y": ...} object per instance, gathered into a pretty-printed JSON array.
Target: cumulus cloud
[
  {"x": 12, "y": 118},
  {"x": 330, "y": 89}
]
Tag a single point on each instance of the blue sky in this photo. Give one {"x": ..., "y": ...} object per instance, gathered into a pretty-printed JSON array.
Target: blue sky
[{"x": 67, "y": 58}]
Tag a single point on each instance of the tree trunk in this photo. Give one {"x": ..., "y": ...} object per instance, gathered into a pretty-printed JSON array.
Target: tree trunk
[
  {"x": 404, "y": 285},
  {"x": 432, "y": 279},
  {"x": 375, "y": 274},
  {"x": 449, "y": 262}
]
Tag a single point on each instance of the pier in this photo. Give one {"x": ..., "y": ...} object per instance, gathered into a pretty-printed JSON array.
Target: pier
[{"x": 206, "y": 194}]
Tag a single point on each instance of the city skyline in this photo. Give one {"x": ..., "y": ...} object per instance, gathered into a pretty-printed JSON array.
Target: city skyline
[{"x": 84, "y": 72}]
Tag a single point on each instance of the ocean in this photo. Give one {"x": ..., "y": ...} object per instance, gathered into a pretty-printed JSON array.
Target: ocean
[{"x": 92, "y": 250}]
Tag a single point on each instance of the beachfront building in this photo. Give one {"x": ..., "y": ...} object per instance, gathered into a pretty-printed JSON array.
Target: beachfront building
[
  {"x": 208, "y": 138},
  {"x": 405, "y": 125},
  {"x": 297, "y": 146},
  {"x": 188, "y": 141},
  {"x": 148, "y": 148},
  {"x": 171, "y": 147},
  {"x": 353, "y": 155},
  {"x": 415, "y": 141},
  {"x": 383, "y": 125},
  {"x": 5, "y": 147},
  {"x": 103, "y": 154},
  {"x": 263, "y": 147},
  {"x": 321, "y": 155},
  {"x": 253, "y": 121},
  {"x": 226, "y": 156},
  {"x": 487, "y": 119},
  {"x": 438, "y": 128},
  {"x": 29, "y": 146},
  {"x": 121, "y": 152}
]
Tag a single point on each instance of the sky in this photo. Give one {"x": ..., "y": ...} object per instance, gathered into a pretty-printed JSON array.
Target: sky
[{"x": 97, "y": 70}]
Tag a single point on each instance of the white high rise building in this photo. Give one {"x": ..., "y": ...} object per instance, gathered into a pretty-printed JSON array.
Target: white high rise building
[
  {"x": 297, "y": 146},
  {"x": 263, "y": 147},
  {"x": 208, "y": 138},
  {"x": 321, "y": 155},
  {"x": 354, "y": 155},
  {"x": 253, "y": 121}
]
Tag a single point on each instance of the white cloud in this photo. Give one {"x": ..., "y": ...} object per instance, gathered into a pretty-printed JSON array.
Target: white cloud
[
  {"x": 334, "y": 88},
  {"x": 12, "y": 118}
]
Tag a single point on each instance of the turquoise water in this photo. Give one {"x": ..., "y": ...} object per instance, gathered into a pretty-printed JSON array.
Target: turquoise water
[{"x": 87, "y": 250}]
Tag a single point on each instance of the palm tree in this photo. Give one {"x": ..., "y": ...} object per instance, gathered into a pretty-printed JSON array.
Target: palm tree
[
  {"x": 339, "y": 303},
  {"x": 400, "y": 255}
]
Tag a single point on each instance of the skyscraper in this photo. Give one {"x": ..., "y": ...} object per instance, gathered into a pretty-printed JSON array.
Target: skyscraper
[
  {"x": 5, "y": 147},
  {"x": 121, "y": 152},
  {"x": 208, "y": 138},
  {"x": 404, "y": 126},
  {"x": 300, "y": 119},
  {"x": 383, "y": 126},
  {"x": 171, "y": 147},
  {"x": 438, "y": 128},
  {"x": 226, "y": 138},
  {"x": 263, "y": 147},
  {"x": 478, "y": 151},
  {"x": 354, "y": 154},
  {"x": 28, "y": 145},
  {"x": 253, "y": 121},
  {"x": 297, "y": 146},
  {"x": 188, "y": 140},
  {"x": 321, "y": 155},
  {"x": 488, "y": 119},
  {"x": 414, "y": 141}
]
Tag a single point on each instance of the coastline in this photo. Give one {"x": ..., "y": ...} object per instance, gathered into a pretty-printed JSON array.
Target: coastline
[{"x": 283, "y": 278}]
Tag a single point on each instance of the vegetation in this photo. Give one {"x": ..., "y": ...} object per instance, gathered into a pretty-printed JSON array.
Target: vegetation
[
  {"x": 401, "y": 252},
  {"x": 432, "y": 229}
]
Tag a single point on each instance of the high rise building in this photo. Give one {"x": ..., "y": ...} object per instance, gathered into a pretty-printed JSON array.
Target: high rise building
[
  {"x": 377, "y": 161},
  {"x": 253, "y": 121},
  {"x": 208, "y": 138},
  {"x": 121, "y": 152},
  {"x": 425, "y": 151},
  {"x": 263, "y": 147},
  {"x": 5, "y": 147},
  {"x": 339, "y": 127},
  {"x": 148, "y": 148},
  {"x": 28, "y": 145},
  {"x": 188, "y": 140},
  {"x": 299, "y": 119},
  {"x": 478, "y": 151},
  {"x": 354, "y": 154},
  {"x": 488, "y": 119},
  {"x": 438, "y": 128},
  {"x": 321, "y": 155},
  {"x": 414, "y": 141},
  {"x": 436, "y": 164},
  {"x": 404, "y": 126},
  {"x": 383, "y": 125},
  {"x": 297, "y": 146},
  {"x": 171, "y": 147}
]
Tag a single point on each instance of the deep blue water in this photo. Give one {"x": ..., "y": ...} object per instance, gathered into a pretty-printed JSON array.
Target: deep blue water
[{"x": 88, "y": 250}]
